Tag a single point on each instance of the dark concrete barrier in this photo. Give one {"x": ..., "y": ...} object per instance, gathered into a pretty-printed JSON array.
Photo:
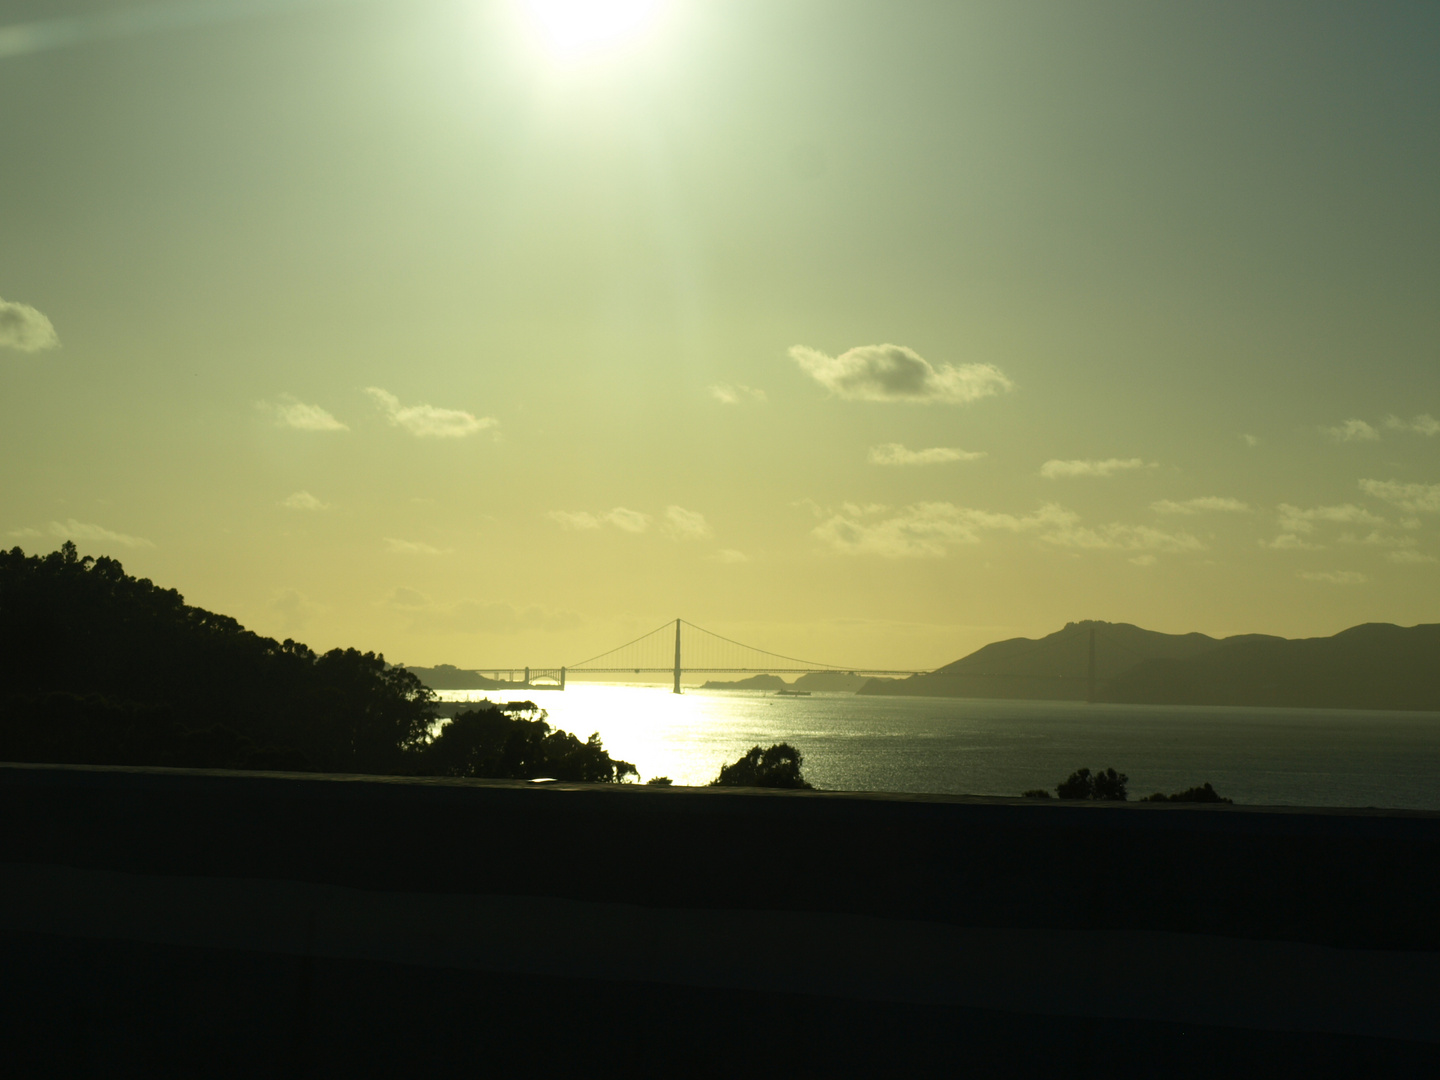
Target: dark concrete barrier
[{"x": 280, "y": 920}]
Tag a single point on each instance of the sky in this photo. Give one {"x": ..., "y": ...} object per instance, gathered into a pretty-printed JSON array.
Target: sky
[{"x": 492, "y": 333}]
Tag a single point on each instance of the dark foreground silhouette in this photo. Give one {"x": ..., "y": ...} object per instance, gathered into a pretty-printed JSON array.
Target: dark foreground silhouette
[
  {"x": 101, "y": 668},
  {"x": 1106, "y": 785},
  {"x": 777, "y": 767}
]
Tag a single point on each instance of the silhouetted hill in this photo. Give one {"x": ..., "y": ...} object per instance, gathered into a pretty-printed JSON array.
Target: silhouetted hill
[
  {"x": 449, "y": 677},
  {"x": 1373, "y": 666},
  {"x": 754, "y": 682},
  {"x": 1055, "y": 667}
]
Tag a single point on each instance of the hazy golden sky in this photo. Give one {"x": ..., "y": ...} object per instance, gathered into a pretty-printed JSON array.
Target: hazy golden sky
[{"x": 869, "y": 332}]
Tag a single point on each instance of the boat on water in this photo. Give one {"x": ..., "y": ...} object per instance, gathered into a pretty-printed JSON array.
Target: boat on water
[{"x": 792, "y": 693}]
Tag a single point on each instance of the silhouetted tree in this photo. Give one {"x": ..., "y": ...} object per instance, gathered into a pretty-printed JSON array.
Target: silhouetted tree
[
  {"x": 1204, "y": 794},
  {"x": 777, "y": 767},
  {"x": 1036, "y": 793},
  {"x": 659, "y": 781},
  {"x": 1106, "y": 786},
  {"x": 516, "y": 742}
]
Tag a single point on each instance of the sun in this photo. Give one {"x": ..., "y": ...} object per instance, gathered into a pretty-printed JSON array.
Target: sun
[{"x": 578, "y": 30}]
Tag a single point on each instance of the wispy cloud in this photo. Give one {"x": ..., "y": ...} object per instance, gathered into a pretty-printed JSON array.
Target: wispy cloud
[
  {"x": 1206, "y": 504},
  {"x": 1293, "y": 519},
  {"x": 897, "y": 454},
  {"x": 294, "y": 609},
  {"x": 473, "y": 616},
  {"x": 631, "y": 521},
  {"x": 1055, "y": 470},
  {"x": 24, "y": 534},
  {"x": 1250, "y": 440},
  {"x": 70, "y": 529},
  {"x": 898, "y": 373},
  {"x": 1352, "y": 431},
  {"x": 729, "y": 556},
  {"x": 1290, "y": 542},
  {"x": 291, "y": 412},
  {"x": 303, "y": 500},
  {"x": 728, "y": 394},
  {"x": 929, "y": 530},
  {"x": 1424, "y": 424},
  {"x": 1416, "y": 498},
  {"x": 24, "y": 328},
  {"x": 428, "y": 421},
  {"x": 412, "y": 547},
  {"x": 682, "y": 524},
  {"x": 1333, "y": 577},
  {"x": 1409, "y": 556}
]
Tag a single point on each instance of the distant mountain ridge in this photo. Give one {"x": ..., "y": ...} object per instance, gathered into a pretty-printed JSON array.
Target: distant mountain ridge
[{"x": 1374, "y": 666}]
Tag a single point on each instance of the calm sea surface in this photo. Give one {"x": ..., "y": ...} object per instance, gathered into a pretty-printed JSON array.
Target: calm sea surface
[{"x": 981, "y": 747}]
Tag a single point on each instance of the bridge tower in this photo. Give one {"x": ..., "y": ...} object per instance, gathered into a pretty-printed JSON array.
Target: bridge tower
[{"x": 677, "y": 656}]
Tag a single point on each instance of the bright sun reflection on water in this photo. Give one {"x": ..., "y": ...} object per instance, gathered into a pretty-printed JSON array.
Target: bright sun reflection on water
[{"x": 575, "y": 30}]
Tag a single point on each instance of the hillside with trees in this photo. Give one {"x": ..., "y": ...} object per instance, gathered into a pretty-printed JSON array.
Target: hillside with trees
[{"x": 99, "y": 667}]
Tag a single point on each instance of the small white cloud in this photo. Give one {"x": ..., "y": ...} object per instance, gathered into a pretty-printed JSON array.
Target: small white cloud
[
  {"x": 71, "y": 529},
  {"x": 295, "y": 610},
  {"x": 1424, "y": 424},
  {"x": 576, "y": 520},
  {"x": 1379, "y": 539},
  {"x": 1352, "y": 431},
  {"x": 729, "y": 556},
  {"x": 412, "y": 547},
  {"x": 1250, "y": 440},
  {"x": 631, "y": 521},
  {"x": 1203, "y": 505},
  {"x": 1290, "y": 542},
  {"x": 24, "y": 328},
  {"x": 728, "y": 394},
  {"x": 24, "y": 534},
  {"x": 682, "y": 524},
  {"x": 1416, "y": 498},
  {"x": 898, "y": 373},
  {"x": 1333, "y": 577},
  {"x": 1054, "y": 470},
  {"x": 428, "y": 421},
  {"x": 1144, "y": 560},
  {"x": 898, "y": 454},
  {"x": 1409, "y": 556},
  {"x": 293, "y": 413},
  {"x": 303, "y": 500},
  {"x": 1293, "y": 519}
]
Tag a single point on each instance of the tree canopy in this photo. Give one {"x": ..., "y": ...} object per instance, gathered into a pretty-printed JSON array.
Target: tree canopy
[{"x": 777, "y": 767}]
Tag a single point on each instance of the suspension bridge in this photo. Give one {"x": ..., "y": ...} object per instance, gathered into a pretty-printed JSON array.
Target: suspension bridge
[{"x": 697, "y": 651}]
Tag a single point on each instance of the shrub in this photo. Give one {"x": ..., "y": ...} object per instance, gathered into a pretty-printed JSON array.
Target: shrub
[
  {"x": 777, "y": 767},
  {"x": 1104, "y": 786}
]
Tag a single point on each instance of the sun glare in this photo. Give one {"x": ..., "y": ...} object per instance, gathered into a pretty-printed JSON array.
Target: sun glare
[{"x": 577, "y": 30}]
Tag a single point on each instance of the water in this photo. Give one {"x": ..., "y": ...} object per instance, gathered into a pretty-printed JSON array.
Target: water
[{"x": 1296, "y": 757}]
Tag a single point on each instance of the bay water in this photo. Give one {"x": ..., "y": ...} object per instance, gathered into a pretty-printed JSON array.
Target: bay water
[{"x": 1283, "y": 757}]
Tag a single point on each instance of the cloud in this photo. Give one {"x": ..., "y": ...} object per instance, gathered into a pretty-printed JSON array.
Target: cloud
[
  {"x": 682, "y": 524},
  {"x": 71, "y": 529},
  {"x": 1202, "y": 505},
  {"x": 412, "y": 547},
  {"x": 1424, "y": 424},
  {"x": 24, "y": 328},
  {"x": 1250, "y": 440},
  {"x": 291, "y": 412},
  {"x": 929, "y": 530},
  {"x": 631, "y": 521},
  {"x": 303, "y": 500},
  {"x": 1379, "y": 539},
  {"x": 896, "y": 454},
  {"x": 295, "y": 610},
  {"x": 1333, "y": 577},
  {"x": 1290, "y": 542},
  {"x": 427, "y": 421},
  {"x": 729, "y": 556},
  {"x": 470, "y": 616},
  {"x": 1144, "y": 560},
  {"x": 896, "y": 373},
  {"x": 1295, "y": 520},
  {"x": 24, "y": 534},
  {"x": 1054, "y": 470},
  {"x": 1352, "y": 431},
  {"x": 727, "y": 394},
  {"x": 1416, "y": 498},
  {"x": 577, "y": 520},
  {"x": 1407, "y": 555}
]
